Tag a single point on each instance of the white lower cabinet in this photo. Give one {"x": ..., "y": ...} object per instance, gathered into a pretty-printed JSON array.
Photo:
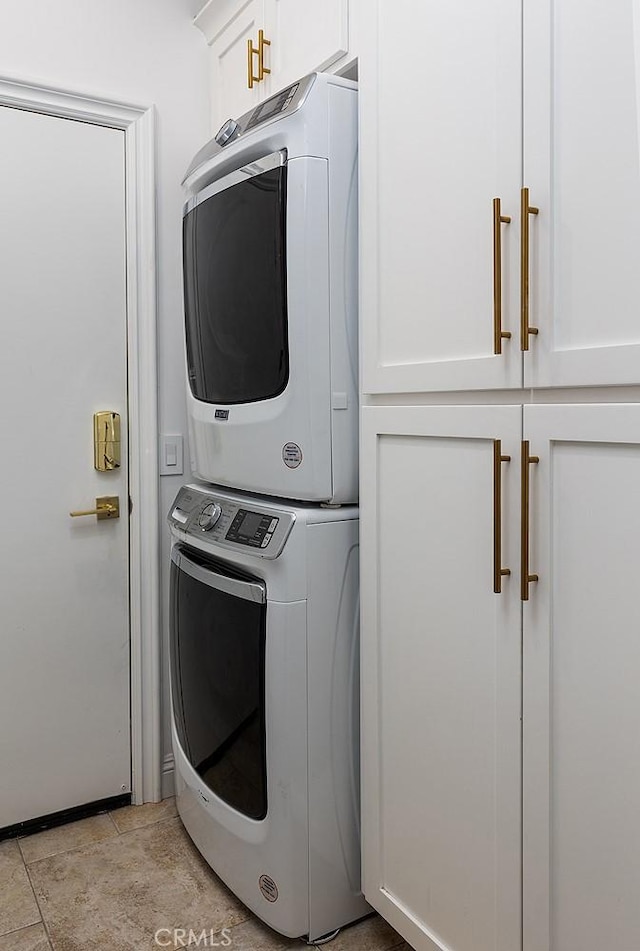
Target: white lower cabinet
[
  {"x": 441, "y": 676},
  {"x": 479, "y": 831},
  {"x": 581, "y": 667}
]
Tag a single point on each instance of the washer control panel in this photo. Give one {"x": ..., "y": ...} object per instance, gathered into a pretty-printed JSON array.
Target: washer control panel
[
  {"x": 252, "y": 528},
  {"x": 272, "y": 107},
  {"x": 229, "y": 523}
]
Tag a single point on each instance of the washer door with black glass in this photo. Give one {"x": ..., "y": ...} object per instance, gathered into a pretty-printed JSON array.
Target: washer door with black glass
[
  {"x": 235, "y": 274},
  {"x": 218, "y": 624}
]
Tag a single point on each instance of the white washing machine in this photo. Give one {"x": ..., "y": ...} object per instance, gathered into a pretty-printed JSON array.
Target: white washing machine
[
  {"x": 271, "y": 297},
  {"x": 265, "y": 701}
]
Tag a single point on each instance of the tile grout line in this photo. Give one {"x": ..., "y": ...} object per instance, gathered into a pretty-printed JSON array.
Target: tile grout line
[
  {"x": 153, "y": 822},
  {"x": 7, "y": 934},
  {"x": 41, "y": 919},
  {"x": 40, "y": 900},
  {"x": 21, "y": 852},
  {"x": 75, "y": 848},
  {"x": 44, "y": 923},
  {"x": 85, "y": 845},
  {"x": 147, "y": 825}
]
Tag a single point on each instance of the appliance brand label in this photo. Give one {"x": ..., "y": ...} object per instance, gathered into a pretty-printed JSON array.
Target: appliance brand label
[
  {"x": 268, "y": 888},
  {"x": 222, "y": 414},
  {"x": 291, "y": 455}
]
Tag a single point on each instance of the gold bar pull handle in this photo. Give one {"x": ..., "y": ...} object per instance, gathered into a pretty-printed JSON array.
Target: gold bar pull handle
[
  {"x": 251, "y": 52},
  {"x": 262, "y": 69},
  {"x": 525, "y": 210},
  {"x": 525, "y": 577},
  {"x": 498, "y": 333},
  {"x": 107, "y": 506},
  {"x": 498, "y": 571}
]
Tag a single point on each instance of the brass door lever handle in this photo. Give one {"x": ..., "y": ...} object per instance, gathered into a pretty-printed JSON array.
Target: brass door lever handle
[{"x": 107, "y": 506}]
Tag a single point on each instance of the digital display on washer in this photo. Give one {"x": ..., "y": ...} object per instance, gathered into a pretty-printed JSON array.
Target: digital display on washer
[
  {"x": 272, "y": 106},
  {"x": 249, "y": 525},
  {"x": 251, "y": 528}
]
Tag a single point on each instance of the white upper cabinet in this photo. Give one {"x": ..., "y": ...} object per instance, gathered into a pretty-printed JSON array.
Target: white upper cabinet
[
  {"x": 306, "y": 35},
  {"x": 582, "y": 166},
  {"x": 440, "y": 140},
  {"x": 444, "y": 131},
  {"x": 260, "y": 46},
  {"x": 231, "y": 93}
]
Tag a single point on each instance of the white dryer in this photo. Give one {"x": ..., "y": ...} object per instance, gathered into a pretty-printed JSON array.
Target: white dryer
[
  {"x": 270, "y": 282},
  {"x": 265, "y": 702}
]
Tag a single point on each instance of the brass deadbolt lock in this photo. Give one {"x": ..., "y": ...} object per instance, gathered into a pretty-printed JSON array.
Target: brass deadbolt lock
[{"x": 106, "y": 441}]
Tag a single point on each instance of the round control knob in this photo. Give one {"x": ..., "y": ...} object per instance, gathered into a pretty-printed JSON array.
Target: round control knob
[
  {"x": 209, "y": 516},
  {"x": 226, "y": 132}
]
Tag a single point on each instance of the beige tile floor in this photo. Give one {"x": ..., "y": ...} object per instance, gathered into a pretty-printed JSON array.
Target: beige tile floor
[{"x": 108, "y": 883}]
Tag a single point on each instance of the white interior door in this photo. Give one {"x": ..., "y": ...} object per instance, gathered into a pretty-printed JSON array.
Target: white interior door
[
  {"x": 581, "y": 743},
  {"x": 64, "y": 675},
  {"x": 441, "y": 675}
]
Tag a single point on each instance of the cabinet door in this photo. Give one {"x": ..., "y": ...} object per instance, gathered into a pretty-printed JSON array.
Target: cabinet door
[
  {"x": 582, "y": 165},
  {"x": 231, "y": 95},
  {"x": 440, "y": 102},
  {"x": 581, "y": 745},
  {"x": 305, "y": 35},
  {"x": 441, "y": 659}
]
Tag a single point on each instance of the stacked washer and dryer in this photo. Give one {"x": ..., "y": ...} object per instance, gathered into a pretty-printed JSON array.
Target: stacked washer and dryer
[{"x": 264, "y": 561}]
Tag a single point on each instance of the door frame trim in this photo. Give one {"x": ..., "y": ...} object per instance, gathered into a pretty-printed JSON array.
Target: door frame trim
[{"x": 138, "y": 125}]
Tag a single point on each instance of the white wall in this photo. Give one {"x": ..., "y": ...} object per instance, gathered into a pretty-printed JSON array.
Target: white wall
[{"x": 142, "y": 52}]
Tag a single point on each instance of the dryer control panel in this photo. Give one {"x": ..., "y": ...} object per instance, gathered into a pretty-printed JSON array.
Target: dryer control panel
[{"x": 230, "y": 523}]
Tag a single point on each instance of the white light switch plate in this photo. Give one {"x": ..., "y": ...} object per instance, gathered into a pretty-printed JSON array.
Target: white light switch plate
[{"x": 171, "y": 462}]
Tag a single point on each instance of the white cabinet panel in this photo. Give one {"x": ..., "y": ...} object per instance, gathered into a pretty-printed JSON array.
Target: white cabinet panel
[
  {"x": 305, "y": 35},
  {"x": 301, "y": 36},
  {"x": 581, "y": 673},
  {"x": 582, "y": 165},
  {"x": 441, "y": 677},
  {"x": 440, "y": 139},
  {"x": 231, "y": 95}
]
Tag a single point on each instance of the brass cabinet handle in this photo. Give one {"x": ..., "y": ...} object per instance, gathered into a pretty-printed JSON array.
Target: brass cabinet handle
[
  {"x": 525, "y": 210},
  {"x": 251, "y": 52},
  {"x": 107, "y": 506},
  {"x": 262, "y": 69},
  {"x": 498, "y": 333},
  {"x": 525, "y": 577},
  {"x": 498, "y": 571}
]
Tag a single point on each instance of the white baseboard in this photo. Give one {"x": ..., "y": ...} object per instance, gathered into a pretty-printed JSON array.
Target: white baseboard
[{"x": 168, "y": 787}]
